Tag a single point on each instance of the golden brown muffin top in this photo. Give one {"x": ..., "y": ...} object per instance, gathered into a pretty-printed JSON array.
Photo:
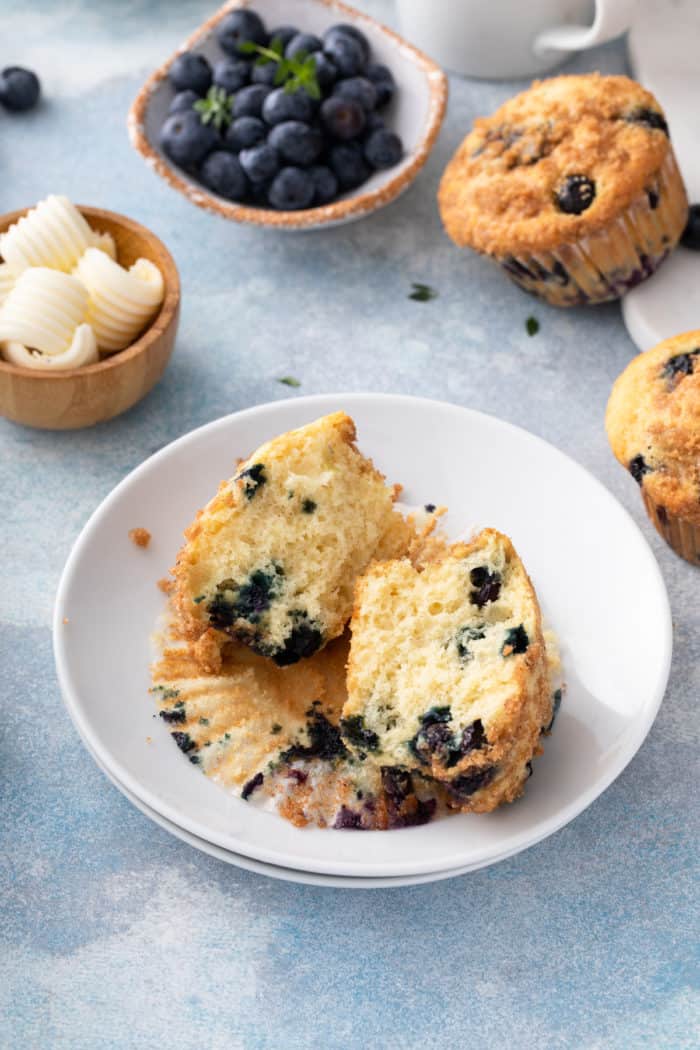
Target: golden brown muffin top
[
  {"x": 653, "y": 423},
  {"x": 555, "y": 163}
]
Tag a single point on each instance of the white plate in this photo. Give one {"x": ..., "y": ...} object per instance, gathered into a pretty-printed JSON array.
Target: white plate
[
  {"x": 598, "y": 581},
  {"x": 259, "y": 867}
]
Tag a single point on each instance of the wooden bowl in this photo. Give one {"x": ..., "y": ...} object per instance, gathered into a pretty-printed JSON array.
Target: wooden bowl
[
  {"x": 80, "y": 397},
  {"x": 415, "y": 113}
]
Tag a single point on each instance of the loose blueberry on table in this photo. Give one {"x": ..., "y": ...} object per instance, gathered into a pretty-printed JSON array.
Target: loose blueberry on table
[
  {"x": 284, "y": 120},
  {"x": 19, "y": 89}
]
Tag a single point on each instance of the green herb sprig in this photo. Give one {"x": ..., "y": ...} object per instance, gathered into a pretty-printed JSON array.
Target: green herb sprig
[
  {"x": 289, "y": 381},
  {"x": 216, "y": 108},
  {"x": 294, "y": 73},
  {"x": 532, "y": 326},
  {"x": 422, "y": 293}
]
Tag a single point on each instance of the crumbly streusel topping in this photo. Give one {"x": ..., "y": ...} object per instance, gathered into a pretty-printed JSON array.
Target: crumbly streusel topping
[
  {"x": 653, "y": 423},
  {"x": 553, "y": 164}
]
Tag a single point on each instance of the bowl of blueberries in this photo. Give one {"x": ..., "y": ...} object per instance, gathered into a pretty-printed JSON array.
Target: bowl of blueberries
[{"x": 294, "y": 114}]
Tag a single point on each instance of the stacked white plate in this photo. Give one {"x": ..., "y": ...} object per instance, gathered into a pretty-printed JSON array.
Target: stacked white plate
[{"x": 598, "y": 582}]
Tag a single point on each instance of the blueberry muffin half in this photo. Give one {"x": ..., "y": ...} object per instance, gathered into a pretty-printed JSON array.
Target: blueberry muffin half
[
  {"x": 272, "y": 560},
  {"x": 653, "y": 424},
  {"x": 447, "y": 675},
  {"x": 571, "y": 186}
]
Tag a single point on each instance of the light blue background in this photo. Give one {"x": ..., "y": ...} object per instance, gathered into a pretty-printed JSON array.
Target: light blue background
[{"x": 114, "y": 933}]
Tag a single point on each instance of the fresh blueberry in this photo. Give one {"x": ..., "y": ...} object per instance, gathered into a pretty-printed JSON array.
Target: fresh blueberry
[
  {"x": 182, "y": 101},
  {"x": 305, "y": 42},
  {"x": 244, "y": 133},
  {"x": 373, "y": 122},
  {"x": 186, "y": 140},
  {"x": 357, "y": 89},
  {"x": 258, "y": 191},
  {"x": 291, "y": 190},
  {"x": 19, "y": 88},
  {"x": 249, "y": 100},
  {"x": 343, "y": 29},
  {"x": 384, "y": 83},
  {"x": 222, "y": 172},
  {"x": 383, "y": 149},
  {"x": 346, "y": 53},
  {"x": 349, "y": 165},
  {"x": 691, "y": 233},
  {"x": 575, "y": 194},
  {"x": 296, "y": 143},
  {"x": 342, "y": 118},
  {"x": 260, "y": 162},
  {"x": 638, "y": 467},
  {"x": 264, "y": 74},
  {"x": 325, "y": 70},
  {"x": 280, "y": 106},
  {"x": 283, "y": 33},
  {"x": 649, "y": 118},
  {"x": 190, "y": 71},
  {"x": 325, "y": 184},
  {"x": 231, "y": 74},
  {"x": 240, "y": 27}
]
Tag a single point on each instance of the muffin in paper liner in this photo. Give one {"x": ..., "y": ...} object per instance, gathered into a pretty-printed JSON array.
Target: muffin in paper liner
[
  {"x": 572, "y": 187},
  {"x": 681, "y": 535},
  {"x": 606, "y": 264},
  {"x": 653, "y": 424}
]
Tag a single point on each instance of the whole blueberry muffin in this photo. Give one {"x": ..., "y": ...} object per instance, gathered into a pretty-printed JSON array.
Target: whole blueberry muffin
[
  {"x": 653, "y": 424},
  {"x": 448, "y": 675},
  {"x": 571, "y": 186},
  {"x": 272, "y": 559}
]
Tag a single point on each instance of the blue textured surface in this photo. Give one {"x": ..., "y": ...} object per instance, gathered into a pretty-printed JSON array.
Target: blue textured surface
[{"x": 117, "y": 935}]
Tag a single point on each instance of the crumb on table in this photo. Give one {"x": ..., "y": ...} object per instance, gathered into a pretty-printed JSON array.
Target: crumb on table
[
  {"x": 165, "y": 585},
  {"x": 65, "y": 619},
  {"x": 141, "y": 537}
]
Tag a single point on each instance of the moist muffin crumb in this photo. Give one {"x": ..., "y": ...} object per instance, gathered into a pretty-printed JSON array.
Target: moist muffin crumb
[
  {"x": 571, "y": 186},
  {"x": 448, "y": 676},
  {"x": 653, "y": 425},
  {"x": 272, "y": 560}
]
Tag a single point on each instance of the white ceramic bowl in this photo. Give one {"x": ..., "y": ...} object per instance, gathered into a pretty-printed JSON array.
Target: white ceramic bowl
[{"x": 415, "y": 113}]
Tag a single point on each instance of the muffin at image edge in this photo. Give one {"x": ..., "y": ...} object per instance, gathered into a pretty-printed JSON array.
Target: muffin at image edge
[
  {"x": 572, "y": 186},
  {"x": 653, "y": 424}
]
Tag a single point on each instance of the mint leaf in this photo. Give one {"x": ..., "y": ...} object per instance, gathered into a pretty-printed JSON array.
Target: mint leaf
[
  {"x": 216, "y": 108},
  {"x": 532, "y": 326},
  {"x": 294, "y": 73},
  {"x": 422, "y": 293},
  {"x": 289, "y": 381}
]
